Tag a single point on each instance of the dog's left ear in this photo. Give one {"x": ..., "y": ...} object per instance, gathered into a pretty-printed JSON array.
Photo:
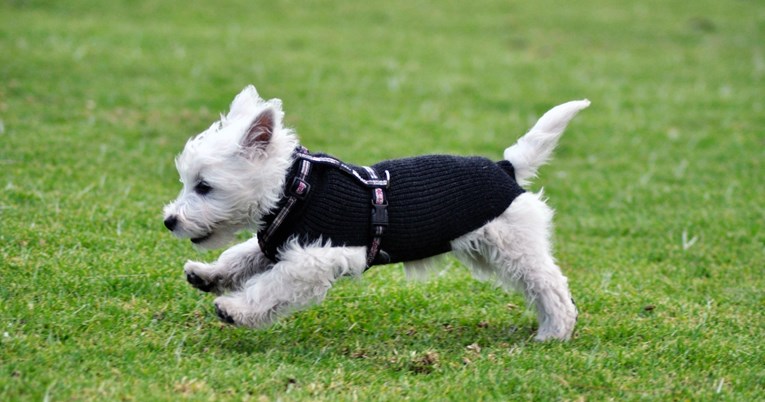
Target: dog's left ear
[{"x": 258, "y": 135}]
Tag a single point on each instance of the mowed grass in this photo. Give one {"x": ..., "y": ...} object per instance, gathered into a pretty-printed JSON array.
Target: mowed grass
[{"x": 658, "y": 189}]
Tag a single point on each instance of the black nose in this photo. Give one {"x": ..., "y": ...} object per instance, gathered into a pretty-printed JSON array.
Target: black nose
[{"x": 170, "y": 222}]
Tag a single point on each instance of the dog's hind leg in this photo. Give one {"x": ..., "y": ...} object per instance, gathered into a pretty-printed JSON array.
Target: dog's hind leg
[
  {"x": 232, "y": 269},
  {"x": 515, "y": 248},
  {"x": 302, "y": 277}
]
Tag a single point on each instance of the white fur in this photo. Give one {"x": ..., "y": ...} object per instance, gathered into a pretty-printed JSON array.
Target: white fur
[
  {"x": 535, "y": 148},
  {"x": 423, "y": 269},
  {"x": 515, "y": 248},
  {"x": 247, "y": 184},
  {"x": 302, "y": 277},
  {"x": 247, "y": 180}
]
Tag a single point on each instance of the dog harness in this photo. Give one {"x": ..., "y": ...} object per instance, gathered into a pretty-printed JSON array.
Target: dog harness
[
  {"x": 401, "y": 209},
  {"x": 299, "y": 188}
]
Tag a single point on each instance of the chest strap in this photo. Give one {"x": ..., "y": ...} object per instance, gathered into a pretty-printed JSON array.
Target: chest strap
[
  {"x": 379, "y": 220},
  {"x": 298, "y": 189}
]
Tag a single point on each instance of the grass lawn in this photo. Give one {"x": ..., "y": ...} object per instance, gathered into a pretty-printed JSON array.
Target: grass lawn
[{"x": 658, "y": 187}]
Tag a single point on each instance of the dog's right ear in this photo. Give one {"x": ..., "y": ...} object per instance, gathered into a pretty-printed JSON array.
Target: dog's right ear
[{"x": 259, "y": 134}]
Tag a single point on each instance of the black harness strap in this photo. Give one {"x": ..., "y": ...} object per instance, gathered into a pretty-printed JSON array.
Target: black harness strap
[
  {"x": 379, "y": 220},
  {"x": 373, "y": 181},
  {"x": 299, "y": 188}
]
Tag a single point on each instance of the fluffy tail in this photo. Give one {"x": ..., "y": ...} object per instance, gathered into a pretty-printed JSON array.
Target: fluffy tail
[{"x": 535, "y": 148}]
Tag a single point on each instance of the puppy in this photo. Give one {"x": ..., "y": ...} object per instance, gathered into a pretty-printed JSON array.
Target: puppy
[{"x": 318, "y": 219}]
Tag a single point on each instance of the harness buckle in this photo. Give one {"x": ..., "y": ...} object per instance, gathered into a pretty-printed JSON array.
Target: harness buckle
[
  {"x": 379, "y": 215},
  {"x": 299, "y": 188}
]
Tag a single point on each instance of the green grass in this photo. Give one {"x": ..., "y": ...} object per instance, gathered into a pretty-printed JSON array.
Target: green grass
[{"x": 97, "y": 97}]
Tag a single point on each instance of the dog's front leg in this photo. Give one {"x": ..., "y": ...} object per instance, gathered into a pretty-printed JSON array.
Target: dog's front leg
[
  {"x": 234, "y": 267},
  {"x": 302, "y": 277}
]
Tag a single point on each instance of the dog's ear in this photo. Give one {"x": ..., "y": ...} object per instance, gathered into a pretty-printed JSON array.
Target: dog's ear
[
  {"x": 258, "y": 135},
  {"x": 244, "y": 103}
]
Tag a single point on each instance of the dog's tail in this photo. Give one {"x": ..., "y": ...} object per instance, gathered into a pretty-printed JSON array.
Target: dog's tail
[{"x": 535, "y": 148}]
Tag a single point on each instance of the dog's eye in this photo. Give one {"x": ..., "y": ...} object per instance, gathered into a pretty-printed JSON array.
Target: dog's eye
[{"x": 202, "y": 188}]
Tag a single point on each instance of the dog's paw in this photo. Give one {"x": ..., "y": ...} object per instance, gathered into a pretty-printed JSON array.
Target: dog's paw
[
  {"x": 195, "y": 275},
  {"x": 198, "y": 282},
  {"x": 236, "y": 311},
  {"x": 223, "y": 315},
  {"x": 231, "y": 310},
  {"x": 559, "y": 327}
]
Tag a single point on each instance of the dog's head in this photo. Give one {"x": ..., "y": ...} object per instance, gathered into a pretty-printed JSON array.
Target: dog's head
[{"x": 232, "y": 173}]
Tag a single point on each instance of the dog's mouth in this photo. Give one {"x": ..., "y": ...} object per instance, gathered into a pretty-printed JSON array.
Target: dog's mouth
[{"x": 201, "y": 239}]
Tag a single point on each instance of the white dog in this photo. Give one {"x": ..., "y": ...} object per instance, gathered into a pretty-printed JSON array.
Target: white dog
[{"x": 318, "y": 219}]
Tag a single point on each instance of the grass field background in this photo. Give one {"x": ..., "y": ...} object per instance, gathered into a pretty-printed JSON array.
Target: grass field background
[{"x": 658, "y": 189}]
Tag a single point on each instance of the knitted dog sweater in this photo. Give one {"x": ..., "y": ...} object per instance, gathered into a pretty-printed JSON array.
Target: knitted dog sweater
[{"x": 432, "y": 200}]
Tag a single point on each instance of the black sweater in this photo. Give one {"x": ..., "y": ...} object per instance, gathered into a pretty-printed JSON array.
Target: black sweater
[{"x": 432, "y": 200}]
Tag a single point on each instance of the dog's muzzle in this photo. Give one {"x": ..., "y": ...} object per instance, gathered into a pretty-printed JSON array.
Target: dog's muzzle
[{"x": 171, "y": 223}]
